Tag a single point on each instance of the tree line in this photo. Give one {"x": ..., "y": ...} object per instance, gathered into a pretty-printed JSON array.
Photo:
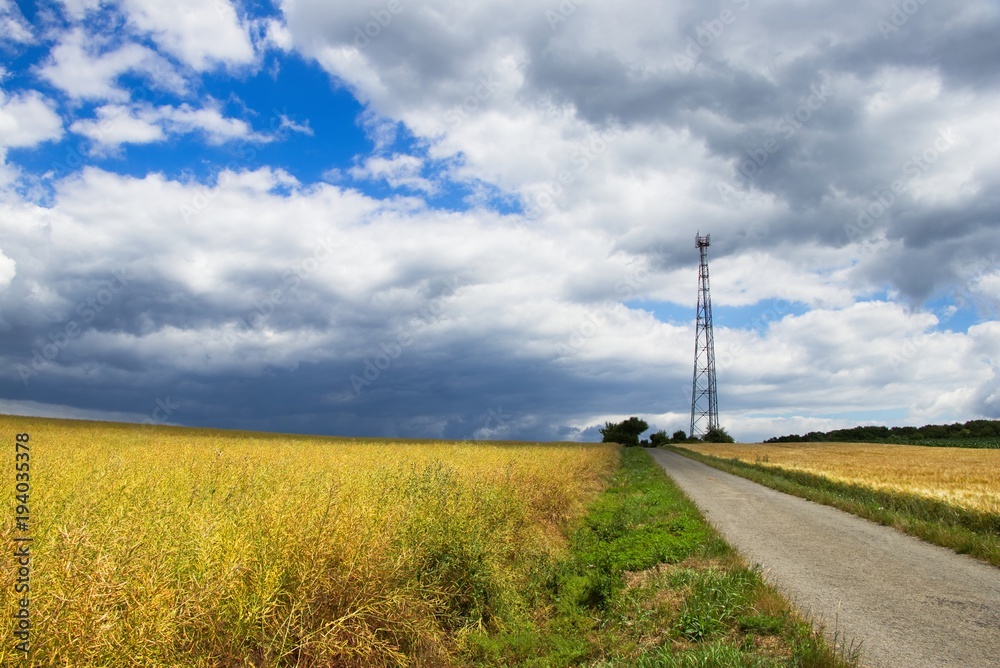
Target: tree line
[
  {"x": 973, "y": 429},
  {"x": 627, "y": 433}
]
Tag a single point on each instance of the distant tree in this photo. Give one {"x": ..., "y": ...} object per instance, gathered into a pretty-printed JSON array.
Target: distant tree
[
  {"x": 625, "y": 432},
  {"x": 679, "y": 436},
  {"x": 658, "y": 439},
  {"x": 717, "y": 435},
  {"x": 879, "y": 434}
]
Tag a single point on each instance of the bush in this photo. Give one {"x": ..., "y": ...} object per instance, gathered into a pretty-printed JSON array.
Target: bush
[
  {"x": 717, "y": 435},
  {"x": 658, "y": 439},
  {"x": 626, "y": 432}
]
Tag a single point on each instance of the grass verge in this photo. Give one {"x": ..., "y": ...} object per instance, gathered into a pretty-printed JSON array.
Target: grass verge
[
  {"x": 962, "y": 530},
  {"x": 647, "y": 582}
]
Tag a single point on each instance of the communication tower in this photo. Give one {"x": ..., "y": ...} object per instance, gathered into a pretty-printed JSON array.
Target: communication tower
[{"x": 704, "y": 399}]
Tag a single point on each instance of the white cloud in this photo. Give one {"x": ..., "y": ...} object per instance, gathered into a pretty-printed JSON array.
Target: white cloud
[
  {"x": 201, "y": 34},
  {"x": 82, "y": 69},
  {"x": 349, "y": 272},
  {"x": 117, "y": 124},
  {"x": 291, "y": 125},
  {"x": 27, "y": 119},
  {"x": 398, "y": 171},
  {"x": 8, "y": 269},
  {"x": 12, "y": 25},
  {"x": 144, "y": 124},
  {"x": 518, "y": 99},
  {"x": 276, "y": 34},
  {"x": 217, "y": 128},
  {"x": 78, "y": 9}
]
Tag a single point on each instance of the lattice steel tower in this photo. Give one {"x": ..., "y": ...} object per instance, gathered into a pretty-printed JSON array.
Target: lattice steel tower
[{"x": 704, "y": 400}]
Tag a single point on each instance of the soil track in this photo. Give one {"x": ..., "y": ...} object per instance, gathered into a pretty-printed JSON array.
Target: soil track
[{"x": 910, "y": 604}]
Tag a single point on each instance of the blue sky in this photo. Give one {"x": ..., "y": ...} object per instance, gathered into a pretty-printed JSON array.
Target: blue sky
[{"x": 478, "y": 221}]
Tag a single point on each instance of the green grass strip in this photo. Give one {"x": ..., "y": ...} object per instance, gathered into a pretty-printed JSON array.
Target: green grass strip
[
  {"x": 962, "y": 530},
  {"x": 589, "y": 613}
]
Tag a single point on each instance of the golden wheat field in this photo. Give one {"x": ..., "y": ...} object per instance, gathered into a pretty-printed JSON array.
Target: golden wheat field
[
  {"x": 966, "y": 477},
  {"x": 157, "y": 546}
]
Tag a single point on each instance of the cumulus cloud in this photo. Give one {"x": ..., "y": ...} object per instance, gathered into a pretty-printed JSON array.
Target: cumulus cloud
[
  {"x": 780, "y": 124},
  {"x": 13, "y": 27},
  {"x": 27, "y": 119},
  {"x": 274, "y": 33},
  {"x": 119, "y": 124},
  {"x": 200, "y": 34},
  {"x": 351, "y": 304},
  {"x": 143, "y": 124},
  {"x": 8, "y": 268},
  {"x": 80, "y": 67},
  {"x": 398, "y": 171}
]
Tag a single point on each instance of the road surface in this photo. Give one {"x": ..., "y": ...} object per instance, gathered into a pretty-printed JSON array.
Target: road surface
[{"x": 911, "y": 604}]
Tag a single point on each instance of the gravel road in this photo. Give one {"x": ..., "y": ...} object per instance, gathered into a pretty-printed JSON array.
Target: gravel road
[{"x": 911, "y": 604}]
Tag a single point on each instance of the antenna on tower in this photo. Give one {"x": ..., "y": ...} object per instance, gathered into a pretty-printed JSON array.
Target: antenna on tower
[{"x": 704, "y": 399}]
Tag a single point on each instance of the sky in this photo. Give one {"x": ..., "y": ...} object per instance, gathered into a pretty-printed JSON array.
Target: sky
[{"x": 463, "y": 220}]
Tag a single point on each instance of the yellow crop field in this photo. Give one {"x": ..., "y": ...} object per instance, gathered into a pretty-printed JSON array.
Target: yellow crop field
[
  {"x": 966, "y": 477},
  {"x": 156, "y": 546}
]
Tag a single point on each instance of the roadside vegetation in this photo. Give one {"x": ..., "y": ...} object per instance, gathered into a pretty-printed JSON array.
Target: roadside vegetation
[
  {"x": 949, "y": 498},
  {"x": 647, "y": 582},
  {"x": 163, "y": 546}
]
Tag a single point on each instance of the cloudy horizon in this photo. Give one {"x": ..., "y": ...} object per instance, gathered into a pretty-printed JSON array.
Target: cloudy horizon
[{"x": 463, "y": 221}]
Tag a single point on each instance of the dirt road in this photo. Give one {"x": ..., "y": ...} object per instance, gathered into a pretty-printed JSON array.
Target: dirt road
[{"x": 910, "y": 603}]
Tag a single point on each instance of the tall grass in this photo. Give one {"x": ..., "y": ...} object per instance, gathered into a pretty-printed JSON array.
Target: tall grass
[
  {"x": 167, "y": 546},
  {"x": 648, "y": 582}
]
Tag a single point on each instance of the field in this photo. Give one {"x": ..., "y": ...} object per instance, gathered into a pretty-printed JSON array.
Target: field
[
  {"x": 947, "y": 496},
  {"x": 966, "y": 477},
  {"x": 160, "y": 546},
  {"x": 198, "y": 547}
]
